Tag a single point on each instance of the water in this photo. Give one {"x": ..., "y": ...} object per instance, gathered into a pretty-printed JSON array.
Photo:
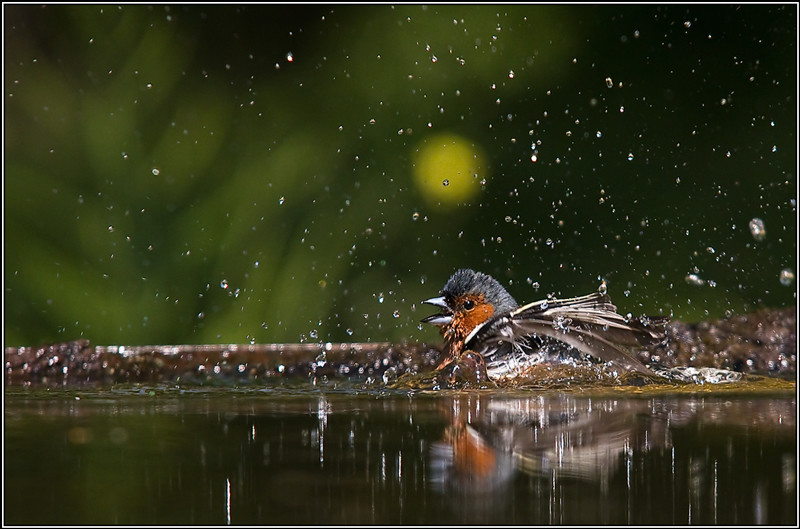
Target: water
[{"x": 342, "y": 453}]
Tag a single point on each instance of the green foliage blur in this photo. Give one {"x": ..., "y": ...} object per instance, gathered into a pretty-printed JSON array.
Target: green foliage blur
[{"x": 215, "y": 174}]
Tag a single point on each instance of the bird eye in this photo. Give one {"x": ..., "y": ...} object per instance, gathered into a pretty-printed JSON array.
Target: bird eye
[{"x": 469, "y": 304}]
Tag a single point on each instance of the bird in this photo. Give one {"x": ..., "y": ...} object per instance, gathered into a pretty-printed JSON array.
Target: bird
[{"x": 478, "y": 315}]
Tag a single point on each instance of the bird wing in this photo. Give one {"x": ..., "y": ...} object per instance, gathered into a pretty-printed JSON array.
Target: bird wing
[{"x": 587, "y": 323}]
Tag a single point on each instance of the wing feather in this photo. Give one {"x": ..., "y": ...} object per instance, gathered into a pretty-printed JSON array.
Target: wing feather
[{"x": 587, "y": 323}]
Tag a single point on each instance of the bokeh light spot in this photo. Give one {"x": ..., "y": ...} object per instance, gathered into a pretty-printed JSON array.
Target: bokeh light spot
[{"x": 449, "y": 169}]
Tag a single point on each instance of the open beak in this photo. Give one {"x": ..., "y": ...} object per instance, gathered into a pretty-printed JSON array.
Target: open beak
[{"x": 444, "y": 318}]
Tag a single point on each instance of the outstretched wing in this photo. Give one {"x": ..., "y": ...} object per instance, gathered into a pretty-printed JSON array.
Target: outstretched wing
[{"x": 587, "y": 323}]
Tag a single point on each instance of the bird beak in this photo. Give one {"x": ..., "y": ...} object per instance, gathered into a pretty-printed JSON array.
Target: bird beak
[{"x": 444, "y": 318}]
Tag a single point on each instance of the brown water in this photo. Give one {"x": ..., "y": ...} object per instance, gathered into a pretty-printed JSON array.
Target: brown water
[{"x": 340, "y": 453}]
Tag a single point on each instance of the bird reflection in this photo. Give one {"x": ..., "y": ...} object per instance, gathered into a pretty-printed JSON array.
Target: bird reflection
[
  {"x": 489, "y": 440},
  {"x": 559, "y": 441},
  {"x": 466, "y": 461}
]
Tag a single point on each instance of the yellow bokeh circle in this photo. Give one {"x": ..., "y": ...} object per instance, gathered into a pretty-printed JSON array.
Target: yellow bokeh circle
[{"x": 448, "y": 169}]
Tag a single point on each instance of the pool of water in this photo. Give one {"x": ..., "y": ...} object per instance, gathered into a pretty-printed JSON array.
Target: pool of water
[{"x": 341, "y": 453}]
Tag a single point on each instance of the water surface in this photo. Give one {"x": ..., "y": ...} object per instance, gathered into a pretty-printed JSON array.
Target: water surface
[{"x": 340, "y": 453}]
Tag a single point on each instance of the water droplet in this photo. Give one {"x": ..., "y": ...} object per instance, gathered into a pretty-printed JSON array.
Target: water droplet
[
  {"x": 281, "y": 201},
  {"x": 223, "y": 284},
  {"x": 511, "y": 74},
  {"x": 630, "y": 156},
  {"x": 534, "y": 158},
  {"x": 156, "y": 171},
  {"x": 445, "y": 182},
  {"x": 389, "y": 375},
  {"x": 694, "y": 280},
  {"x": 787, "y": 277},
  {"x": 609, "y": 82},
  {"x": 757, "y": 229}
]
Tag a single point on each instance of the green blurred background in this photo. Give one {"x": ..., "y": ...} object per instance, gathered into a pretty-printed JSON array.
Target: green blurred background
[{"x": 206, "y": 174}]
